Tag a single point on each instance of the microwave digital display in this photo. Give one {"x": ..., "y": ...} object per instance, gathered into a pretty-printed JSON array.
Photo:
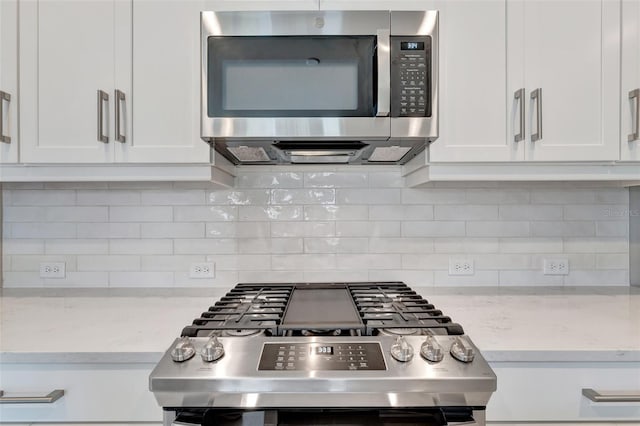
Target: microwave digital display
[{"x": 412, "y": 45}]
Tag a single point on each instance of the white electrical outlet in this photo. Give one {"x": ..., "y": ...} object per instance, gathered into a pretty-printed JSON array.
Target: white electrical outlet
[
  {"x": 52, "y": 270},
  {"x": 556, "y": 266},
  {"x": 461, "y": 267},
  {"x": 202, "y": 270}
]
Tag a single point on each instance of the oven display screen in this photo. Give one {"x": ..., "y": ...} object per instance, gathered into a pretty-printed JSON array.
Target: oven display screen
[
  {"x": 322, "y": 350},
  {"x": 411, "y": 45}
]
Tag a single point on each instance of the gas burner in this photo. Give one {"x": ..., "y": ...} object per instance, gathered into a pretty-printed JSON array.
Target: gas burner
[
  {"x": 321, "y": 332},
  {"x": 241, "y": 333},
  {"x": 400, "y": 331}
]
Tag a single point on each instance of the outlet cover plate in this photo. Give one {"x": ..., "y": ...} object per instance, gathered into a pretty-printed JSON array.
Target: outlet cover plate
[
  {"x": 52, "y": 270},
  {"x": 556, "y": 266},
  {"x": 461, "y": 266},
  {"x": 202, "y": 270}
]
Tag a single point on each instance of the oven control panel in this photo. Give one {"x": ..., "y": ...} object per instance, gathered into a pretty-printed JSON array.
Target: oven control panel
[
  {"x": 410, "y": 76},
  {"x": 321, "y": 356}
]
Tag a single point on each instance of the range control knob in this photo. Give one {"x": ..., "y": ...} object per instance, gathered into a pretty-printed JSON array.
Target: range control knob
[
  {"x": 462, "y": 351},
  {"x": 431, "y": 350},
  {"x": 401, "y": 350},
  {"x": 212, "y": 350},
  {"x": 183, "y": 350}
]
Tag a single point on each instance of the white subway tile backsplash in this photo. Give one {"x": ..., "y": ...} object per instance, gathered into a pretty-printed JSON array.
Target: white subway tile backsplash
[
  {"x": 336, "y": 180},
  {"x": 367, "y": 229},
  {"x": 141, "y": 214},
  {"x": 42, "y": 197},
  {"x": 368, "y": 196},
  {"x": 240, "y": 198},
  {"x": 468, "y": 212},
  {"x": 77, "y": 246},
  {"x": 205, "y": 213},
  {"x": 172, "y": 230},
  {"x": 612, "y": 229},
  {"x": 433, "y": 229},
  {"x": 333, "y": 212},
  {"x": 498, "y": 229},
  {"x": 401, "y": 245},
  {"x": 108, "y": 263},
  {"x": 595, "y": 212},
  {"x": 401, "y": 212},
  {"x": 149, "y": 246},
  {"x": 303, "y": 229},
  {"x": 369, "y": 261},
  {"x": 530, "y": 212},
  {"x": 112, "y": 197},
  {"x": 563, "y": 229},
  {"x": 270, "y": 180},
  {"x": 314, "y": 223},
  {"x": 303, "y": 262},
  {"x": 205, "y": 246},
  {"x": 466, "y": 245},
  {"x": 12, "y": 246},
  {"x": 108, "y": 230},
  {"x": 76, "y": 214},
  {"x": 173, "y": 197},
  {"x": 336, "y": 245},
  {"x": 43, "y": 230},
  {"x": 303, "y": 196},
  {"x": 256, "y": 213}
]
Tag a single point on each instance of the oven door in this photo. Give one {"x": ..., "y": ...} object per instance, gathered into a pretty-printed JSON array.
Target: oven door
[{"x": 292, "y": 75}]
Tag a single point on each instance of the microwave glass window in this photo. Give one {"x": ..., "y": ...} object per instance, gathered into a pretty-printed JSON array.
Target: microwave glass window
[
  {"x": 308, "y": 84},
  {"x": 289, "y": 76}
]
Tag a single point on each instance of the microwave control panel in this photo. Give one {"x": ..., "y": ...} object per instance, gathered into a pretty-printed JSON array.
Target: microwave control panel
[{"x": 410, "y": 76}]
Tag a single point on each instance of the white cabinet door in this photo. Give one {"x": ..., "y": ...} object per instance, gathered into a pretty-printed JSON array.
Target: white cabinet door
[
  {"x": 473, "y": 74},
  {"x": 571, "y": 54},
  {"x": 630, "y": 131},
  {"x": 67, "y": 50},
  {"x": 238, "y": 5},
  {"x": 165, "y": 95},
  {"x": 9, "y": 81}
]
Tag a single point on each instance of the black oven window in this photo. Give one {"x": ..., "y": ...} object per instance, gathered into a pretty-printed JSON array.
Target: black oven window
[{"x": 291, "y": 76}]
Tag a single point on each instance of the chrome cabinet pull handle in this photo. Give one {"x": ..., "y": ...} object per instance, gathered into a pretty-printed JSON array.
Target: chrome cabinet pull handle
[
  {"x": 102, "y": 98},
  {"x": 120, "y": 98},
  {"x": 635, "y": 94},
  {"x": 536, "y": 96},
  {"x": 595, "y": 396},
  {"x": 49, "y": 398},
  {"x": 4, "y": 96},
  {"x": 519, "y": 97},
  {"x": 384, "y": 73}
]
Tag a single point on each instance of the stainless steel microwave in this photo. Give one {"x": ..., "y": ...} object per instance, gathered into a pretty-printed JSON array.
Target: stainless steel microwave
[{"x": 319, "y": 86}]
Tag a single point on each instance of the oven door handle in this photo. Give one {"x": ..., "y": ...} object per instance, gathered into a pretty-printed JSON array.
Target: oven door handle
[{"x": 384, "y": 73}]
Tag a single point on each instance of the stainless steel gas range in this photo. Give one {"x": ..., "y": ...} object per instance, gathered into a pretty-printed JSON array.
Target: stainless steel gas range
[{"x": 373, "y": 353}]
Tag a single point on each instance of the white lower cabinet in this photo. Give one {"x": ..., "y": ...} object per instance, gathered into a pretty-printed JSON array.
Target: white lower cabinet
[
  {"x": 92, "y": 393},
  {"x": 552, "y": 392}
]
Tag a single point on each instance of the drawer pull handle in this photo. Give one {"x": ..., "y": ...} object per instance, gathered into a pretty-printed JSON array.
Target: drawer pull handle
[
  {"x": 52, "y": 396},
  {"x": 596, "y": 396}
]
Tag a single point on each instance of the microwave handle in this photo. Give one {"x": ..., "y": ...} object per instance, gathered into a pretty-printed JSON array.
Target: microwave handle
[{"x": 384, "y": 73}]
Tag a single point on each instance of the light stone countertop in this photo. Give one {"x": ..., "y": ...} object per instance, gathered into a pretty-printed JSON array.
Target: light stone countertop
[{"x": 508, "y": 324}]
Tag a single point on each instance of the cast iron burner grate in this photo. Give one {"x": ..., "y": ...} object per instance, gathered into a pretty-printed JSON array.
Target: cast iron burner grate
[{"x": 339, "y": 309}]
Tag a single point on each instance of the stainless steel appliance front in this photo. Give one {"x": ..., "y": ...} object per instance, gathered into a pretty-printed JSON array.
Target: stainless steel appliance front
[{"x": 263, "y": 83}]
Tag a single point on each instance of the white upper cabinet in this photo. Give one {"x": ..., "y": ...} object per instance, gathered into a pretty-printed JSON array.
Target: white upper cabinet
[
  {"x": 630, "y": 107},
  {"x": 565, "y": 54},
  {"x": 8, "y": 81},
  {"x": 67, "y": 54},
  {"x": 165, "y": 95},
  {"x": 238, "y": 5},
  {"x": 473, "y": 105}
]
